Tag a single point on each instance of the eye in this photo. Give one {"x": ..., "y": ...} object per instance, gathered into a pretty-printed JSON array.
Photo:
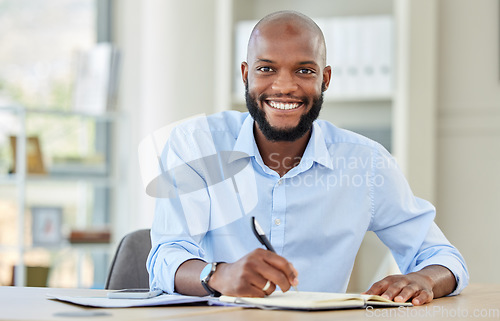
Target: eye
[
  {"x": 265, "y": 69},
  {"x": 305, "y": 71}
]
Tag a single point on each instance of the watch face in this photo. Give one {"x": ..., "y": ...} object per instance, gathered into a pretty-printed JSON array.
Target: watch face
[{"x": 205, "y": 272}]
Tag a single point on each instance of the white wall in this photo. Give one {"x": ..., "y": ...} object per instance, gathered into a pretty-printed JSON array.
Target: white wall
[
  {"x": 468, "y": 121},
  {"x": 167, "y": 75}
]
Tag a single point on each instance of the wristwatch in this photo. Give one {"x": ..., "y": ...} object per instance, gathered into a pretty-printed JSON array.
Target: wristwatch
[{"x": 205, "y": 276}]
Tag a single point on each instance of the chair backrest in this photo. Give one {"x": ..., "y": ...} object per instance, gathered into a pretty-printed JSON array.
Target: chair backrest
[{"x": 128, "y": 269}]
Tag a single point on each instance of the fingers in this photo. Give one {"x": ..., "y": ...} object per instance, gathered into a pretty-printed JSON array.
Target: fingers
[
  {"x": 274, "y": 268},
  {"x": 282, "y": 265},
  {"x": 260, "y": 288},
  {"x": 279, "y": 273},
  {"x": 268, "y": 288},
  {"x": 423, "y": 298},
  {"x": 402, "y": 288},
  {"x": 294, "y": 276},
  {"x": 245, "y": 282},
  {"x": 378, "y": 288},
  {"x": 249, "y": 275}
]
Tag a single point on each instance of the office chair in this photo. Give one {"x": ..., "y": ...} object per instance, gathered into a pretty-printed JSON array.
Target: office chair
[{"x": 128, "y": 268}]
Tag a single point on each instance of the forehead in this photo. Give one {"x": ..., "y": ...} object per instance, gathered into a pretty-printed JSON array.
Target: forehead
[{"x": 286, "y": 40}]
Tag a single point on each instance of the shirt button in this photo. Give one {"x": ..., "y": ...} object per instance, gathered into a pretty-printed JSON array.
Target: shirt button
[
  {"x": 277, "y": 221},
  {"x": 280, "y": 181}
]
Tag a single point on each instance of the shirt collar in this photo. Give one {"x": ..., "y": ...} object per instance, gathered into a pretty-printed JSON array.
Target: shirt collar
[
  {"x": 246, "y": 146},
  {"x": 245, "y": 143},
  {"x": 316, "y": 150}
]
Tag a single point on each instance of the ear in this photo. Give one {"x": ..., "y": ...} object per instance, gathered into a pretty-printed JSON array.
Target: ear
[
  {"x": 244, "y": 72},
  {"x": 327, "y": 75}
]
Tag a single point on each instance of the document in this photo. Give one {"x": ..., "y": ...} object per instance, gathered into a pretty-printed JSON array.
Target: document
[
  {"x": 105, "y": 302},
  {"x": 290, "y": 300},
  {"x": 314, "y": 301}
]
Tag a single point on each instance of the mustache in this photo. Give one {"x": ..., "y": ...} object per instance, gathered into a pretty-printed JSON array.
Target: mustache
[{"x": 263, "y": 97}]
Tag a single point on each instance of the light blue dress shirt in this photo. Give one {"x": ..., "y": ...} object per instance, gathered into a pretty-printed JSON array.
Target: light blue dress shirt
[{"x": 315, "y": 216}]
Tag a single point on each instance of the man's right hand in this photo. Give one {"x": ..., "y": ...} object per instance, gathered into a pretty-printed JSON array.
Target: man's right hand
[{"x": 248, "y": 276}]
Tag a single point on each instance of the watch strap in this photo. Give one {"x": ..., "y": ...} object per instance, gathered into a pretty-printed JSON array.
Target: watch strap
[{"x": 205, "y": 280}]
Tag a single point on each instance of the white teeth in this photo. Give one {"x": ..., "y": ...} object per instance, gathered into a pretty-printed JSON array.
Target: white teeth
[{"x": 284, "y": 106}]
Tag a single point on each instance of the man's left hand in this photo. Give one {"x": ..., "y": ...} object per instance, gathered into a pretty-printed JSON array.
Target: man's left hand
[{"x": 420, "y": 287}]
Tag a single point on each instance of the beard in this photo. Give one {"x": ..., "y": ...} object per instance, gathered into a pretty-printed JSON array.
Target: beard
[{"x": 287, "y": 134}]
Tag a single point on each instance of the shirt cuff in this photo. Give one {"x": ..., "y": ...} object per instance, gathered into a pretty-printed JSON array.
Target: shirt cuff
[
  {"x": 165, "y": 272},
  {"x": 452, "y": 264}
]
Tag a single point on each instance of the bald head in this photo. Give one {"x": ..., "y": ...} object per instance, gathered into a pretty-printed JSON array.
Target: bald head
[{"x": 286, "y": 24}]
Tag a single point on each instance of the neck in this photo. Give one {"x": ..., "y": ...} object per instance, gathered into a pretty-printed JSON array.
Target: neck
[{"x": 280, "y": 156}]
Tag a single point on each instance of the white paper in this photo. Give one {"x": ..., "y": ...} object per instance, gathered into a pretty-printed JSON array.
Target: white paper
[{"x": 104, "y": 302}]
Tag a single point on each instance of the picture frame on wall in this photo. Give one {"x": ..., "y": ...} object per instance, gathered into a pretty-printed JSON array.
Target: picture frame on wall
[{"x": 46, "y": 227}]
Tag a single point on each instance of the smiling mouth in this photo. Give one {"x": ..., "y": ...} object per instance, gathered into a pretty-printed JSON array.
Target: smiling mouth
[{"x": 283, "y": 105}]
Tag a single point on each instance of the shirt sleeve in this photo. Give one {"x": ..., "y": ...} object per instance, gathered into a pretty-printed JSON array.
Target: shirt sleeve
[
  {"x": 181, "y": 215},
  {"x": 172, "y": 245},
  {"x": 405, "y": 224}
]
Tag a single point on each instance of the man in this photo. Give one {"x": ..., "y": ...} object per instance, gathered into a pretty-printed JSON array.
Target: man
[{"x": 318, "y": 190}]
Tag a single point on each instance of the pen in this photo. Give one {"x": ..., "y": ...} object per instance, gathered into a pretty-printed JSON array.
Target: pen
[{"x": 261, "y": 236}]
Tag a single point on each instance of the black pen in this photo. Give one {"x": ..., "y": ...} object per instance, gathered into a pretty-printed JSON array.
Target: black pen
[{"x": 261, "y": 236}]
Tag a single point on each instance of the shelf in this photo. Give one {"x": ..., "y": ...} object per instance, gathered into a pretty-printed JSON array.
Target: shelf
[
  {"x": 87, "y": 185},
  {"x": 64, "y": 245},
  {"x": 101, "y": 180},
  {"x": 107, "y": 116}
]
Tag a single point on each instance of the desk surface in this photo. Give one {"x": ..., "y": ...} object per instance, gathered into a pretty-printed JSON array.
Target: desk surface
[{"x": 478, "y": 301}]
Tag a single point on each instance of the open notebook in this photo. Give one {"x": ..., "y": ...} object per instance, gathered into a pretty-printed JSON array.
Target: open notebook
[{"x": 314, "y": 301}]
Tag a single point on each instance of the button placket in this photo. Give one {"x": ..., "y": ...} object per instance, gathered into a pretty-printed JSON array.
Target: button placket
[{"x": 278, "y": 216}]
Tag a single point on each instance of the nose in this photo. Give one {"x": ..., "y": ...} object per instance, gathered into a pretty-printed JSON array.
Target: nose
[{"x": 284, "y": 83}]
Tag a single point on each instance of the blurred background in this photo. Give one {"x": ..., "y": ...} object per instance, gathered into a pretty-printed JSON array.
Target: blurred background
[{"x": 82, "y": 82}]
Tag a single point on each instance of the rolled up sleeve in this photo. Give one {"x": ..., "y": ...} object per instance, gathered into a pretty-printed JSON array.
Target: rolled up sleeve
[{"x": 405, "y": 224}]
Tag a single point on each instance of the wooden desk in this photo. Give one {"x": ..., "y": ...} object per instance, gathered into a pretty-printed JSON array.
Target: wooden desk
[
  {"x": 478, "y": 301},
  {"x": 26, "y": 303}
]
